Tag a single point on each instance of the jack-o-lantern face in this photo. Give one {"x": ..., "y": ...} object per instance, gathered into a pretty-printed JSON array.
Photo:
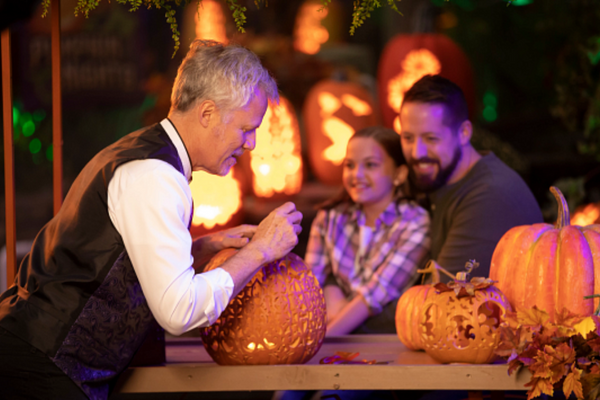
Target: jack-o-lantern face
[
  {"x": 276, "y": 161},
  {"x": 278, "y": 318},
  {"x": 465, "y": 328},
  {"x": 407, "y": 58},
  {"x": 333, "y": 111}
]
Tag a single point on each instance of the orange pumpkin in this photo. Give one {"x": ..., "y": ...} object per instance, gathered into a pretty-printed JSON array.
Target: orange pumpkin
[
  {"x": 549, "y": 266},
  {"x": 408, "y": 315},
  {"x": 406, "y": 58},
  {"x": 460, "y": 323},
  {"x": 333, "y": 111},
  {"x": 278, "y": 318}
]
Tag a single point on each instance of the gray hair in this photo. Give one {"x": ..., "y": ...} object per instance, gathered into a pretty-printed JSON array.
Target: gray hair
[{"x": 227, "y": 75}]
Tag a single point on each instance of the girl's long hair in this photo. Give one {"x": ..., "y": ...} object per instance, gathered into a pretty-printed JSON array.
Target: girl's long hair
[{"x": 390, "y": 141}]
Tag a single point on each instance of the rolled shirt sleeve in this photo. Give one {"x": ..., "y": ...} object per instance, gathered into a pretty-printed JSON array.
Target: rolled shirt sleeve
[{"x": 150, "y": 204}]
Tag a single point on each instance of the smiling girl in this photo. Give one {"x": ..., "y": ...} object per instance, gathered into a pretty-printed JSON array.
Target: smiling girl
[{"x": 366, "y": 244}]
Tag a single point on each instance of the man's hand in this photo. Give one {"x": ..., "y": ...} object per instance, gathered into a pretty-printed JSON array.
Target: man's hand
[
  {"x": 277, "y": 234},
  {"x": 205, "y": 247}
]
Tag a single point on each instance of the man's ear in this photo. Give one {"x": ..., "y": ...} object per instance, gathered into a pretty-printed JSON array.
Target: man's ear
[
  {"x": 401, "y": 175},
  {"x": 206, "y": 113},
  {"x": 465, "y": 131}
]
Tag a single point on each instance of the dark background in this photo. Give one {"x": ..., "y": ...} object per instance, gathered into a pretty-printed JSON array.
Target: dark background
[{"x": 537, "y": 60}]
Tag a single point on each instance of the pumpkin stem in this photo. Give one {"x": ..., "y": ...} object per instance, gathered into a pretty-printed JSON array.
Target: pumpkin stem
[
  {"x": 563, "y": 219},
  {"x": 434, "y": 269},
  {"x": 597, "y": 312}
]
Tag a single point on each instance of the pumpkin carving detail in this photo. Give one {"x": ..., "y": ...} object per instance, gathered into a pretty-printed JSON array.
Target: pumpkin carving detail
[
  {"x": 408, "y": 315},
  {"x": 278, "y": 318},
  {"x": 460, "y": 323},
  {"x": 549, "y": 266}
]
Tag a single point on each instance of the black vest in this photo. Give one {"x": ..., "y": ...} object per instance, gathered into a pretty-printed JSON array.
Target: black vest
[{"x": 76, "y": 295}]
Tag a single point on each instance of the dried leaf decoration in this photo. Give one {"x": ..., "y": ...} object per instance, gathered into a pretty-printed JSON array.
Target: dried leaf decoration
[{"x": 561, "y": 355}]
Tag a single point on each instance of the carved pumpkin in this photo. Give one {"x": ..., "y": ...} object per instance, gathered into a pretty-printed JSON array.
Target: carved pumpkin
[
  {"x": 333, "y": 111},
  {"x": 460, "y": 322},
  {"x": 408, "y": 315},
  {"x": 278, "y": 318},
  {"x": 549, "y": 266},
  {"x": 407, "y": 58}
]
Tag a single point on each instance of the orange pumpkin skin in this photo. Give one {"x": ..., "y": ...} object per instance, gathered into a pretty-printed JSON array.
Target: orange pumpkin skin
[
  {"x": 278, "y": 318},
  {"x": 549, "y": 267},
  {"x": 408, "y": 314}
]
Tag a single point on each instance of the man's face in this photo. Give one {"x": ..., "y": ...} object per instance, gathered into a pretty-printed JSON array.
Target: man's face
[
  {"x": 235, "y": 133},
  {"x": 432, "y": 150}
]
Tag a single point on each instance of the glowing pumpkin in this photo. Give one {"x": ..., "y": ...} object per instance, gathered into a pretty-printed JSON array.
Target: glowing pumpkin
[
  {"x": 276, "y": 162},
  {"x": 408, "y": 315},
  {"x": 549, "y": 266},
  {"x": 333, "y": 111},
  {"x": 406, "y": 58},
  {"x": 278, "y": 318},
  {"x": 460, "y": 323}
]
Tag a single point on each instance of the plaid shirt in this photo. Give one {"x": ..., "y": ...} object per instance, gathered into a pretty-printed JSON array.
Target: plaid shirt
[{"x": 399, "y": 244}]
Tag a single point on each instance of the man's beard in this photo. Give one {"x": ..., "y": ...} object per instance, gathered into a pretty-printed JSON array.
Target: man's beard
[{"x": 424, "y": 183}]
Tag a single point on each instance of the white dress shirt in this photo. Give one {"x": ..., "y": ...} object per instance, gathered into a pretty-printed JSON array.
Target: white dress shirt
[{"x": 150, "y": 205}]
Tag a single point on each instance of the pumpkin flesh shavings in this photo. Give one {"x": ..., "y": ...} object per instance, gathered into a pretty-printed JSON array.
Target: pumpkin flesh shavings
[{"x": 561, "y": 355}]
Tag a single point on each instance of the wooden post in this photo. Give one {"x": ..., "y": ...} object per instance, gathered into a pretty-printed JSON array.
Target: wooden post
[
  {"x": 9, "y": 165},
  {"x": 56, "y": 107}
]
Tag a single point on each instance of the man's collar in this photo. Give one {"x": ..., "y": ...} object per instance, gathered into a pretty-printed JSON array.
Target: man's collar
[{"x": 179, "y": 145}]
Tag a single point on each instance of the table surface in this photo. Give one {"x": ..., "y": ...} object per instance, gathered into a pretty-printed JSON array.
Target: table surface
[{"x": 190, "y": 369}]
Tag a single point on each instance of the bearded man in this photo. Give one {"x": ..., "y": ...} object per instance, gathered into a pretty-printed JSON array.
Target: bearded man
[{"x": 474, "y": 197}]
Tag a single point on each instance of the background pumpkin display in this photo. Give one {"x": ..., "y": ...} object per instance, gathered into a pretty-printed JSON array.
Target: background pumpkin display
[
  {"x": 406, "y": 58},
  {"x": 333, "y": 111},
  {"x": 278, "y": 318},
  {"x": 549, "y": 266}
]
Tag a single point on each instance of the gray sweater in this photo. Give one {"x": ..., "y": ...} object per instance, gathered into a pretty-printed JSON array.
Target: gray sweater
[{"x": 470, "y": 216}]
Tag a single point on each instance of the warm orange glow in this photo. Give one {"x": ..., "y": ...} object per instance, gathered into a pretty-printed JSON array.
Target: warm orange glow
[
  {"x": 590, "y": 214},
  {"x": 210, "y": 21},
  {"x": 415, "y": 65},
  {"x": 276, "y": 161},
  {"x": 337, "y": 130},
  {"x": 309, "y": 34},
  {"x": 216, "y": 198}
]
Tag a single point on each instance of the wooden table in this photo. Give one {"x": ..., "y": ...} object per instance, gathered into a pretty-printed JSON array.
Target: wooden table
[{"x": 190, "y": 369}]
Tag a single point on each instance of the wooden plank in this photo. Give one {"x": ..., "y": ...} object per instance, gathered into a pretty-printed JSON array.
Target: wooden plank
[
  {"x": 190, "y": 369},
  {"x": 9, "y": 165},
  {"x": 56, "y": 106}
]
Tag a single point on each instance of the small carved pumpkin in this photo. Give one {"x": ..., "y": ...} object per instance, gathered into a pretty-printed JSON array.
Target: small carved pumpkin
[
  {"x": 460, "y": 323},
  {"x": 408, "y": 315},
  {"x": 278, "y": 318},
  {"x": 549, "y": 266}
]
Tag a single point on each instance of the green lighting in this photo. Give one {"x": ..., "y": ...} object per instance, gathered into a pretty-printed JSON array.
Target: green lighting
[
  {"x": 49, "y": 153},
  {"x": 28, "y": 128},
  {"x": 35, "y": 146},
  {"x": 39, "y": 115},
  {"x": 490, "y": 99},
  {"x": 519, "y": 2},
  {"x": 16, "y": 115},
  {"x": 490, "y": 114}
]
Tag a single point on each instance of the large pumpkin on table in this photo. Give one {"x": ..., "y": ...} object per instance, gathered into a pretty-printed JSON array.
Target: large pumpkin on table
[
  {"x": 549, "y": 266},
  {"x": 278, "y": 318}
]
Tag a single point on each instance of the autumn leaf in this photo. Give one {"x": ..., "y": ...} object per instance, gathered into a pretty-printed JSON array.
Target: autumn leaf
[
  {"x": 591, "y": 385},
  {"x": 594, "y": 344},
  {"x": 510, "y": 320},
  {"x": 595, "y": 369},
  {"x": 585, "y": 326},
  {"x": 542, "y": 364},
  {"x": 539, "y": 386},
  {"x": 564, "y": 353},
  {"x": 533, "y": 317},
  {"x": 572, "y": 384},
  {"x": 567, "y": 319}
]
